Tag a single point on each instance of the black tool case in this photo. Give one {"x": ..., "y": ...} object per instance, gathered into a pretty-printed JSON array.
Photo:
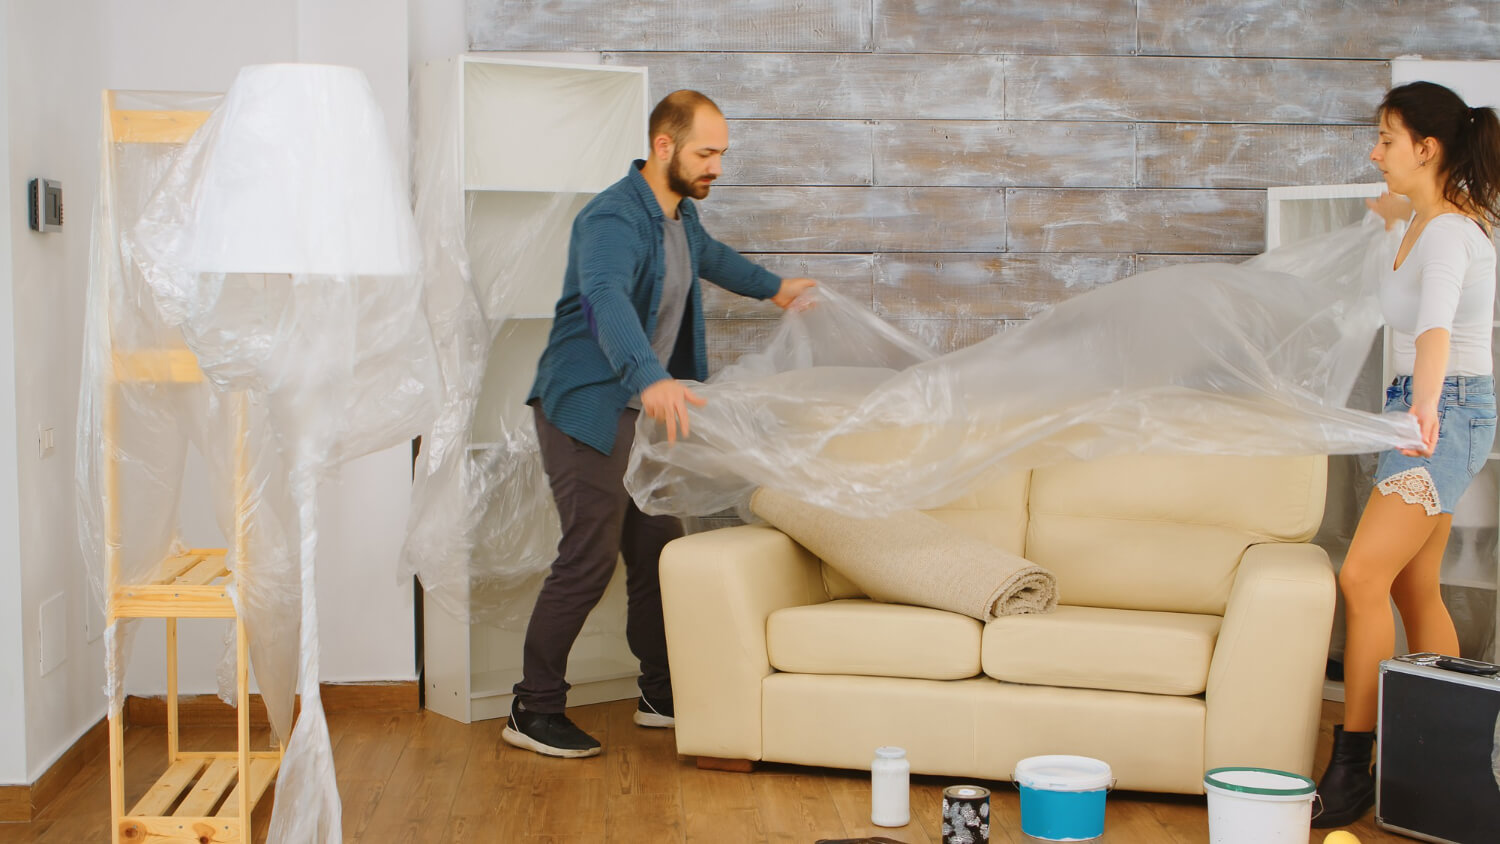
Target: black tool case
[{"x": 1437, "y": 774}]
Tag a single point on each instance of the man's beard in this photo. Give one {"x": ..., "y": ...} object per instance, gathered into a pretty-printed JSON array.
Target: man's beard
[{"x": 678, "y": 181}]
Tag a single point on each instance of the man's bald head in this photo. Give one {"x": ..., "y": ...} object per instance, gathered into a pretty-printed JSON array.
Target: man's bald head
[{"x": 673, "y": 116}]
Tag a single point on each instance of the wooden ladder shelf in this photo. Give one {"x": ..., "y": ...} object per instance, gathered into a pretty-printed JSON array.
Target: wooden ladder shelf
[{"x": 204, "y": 797}]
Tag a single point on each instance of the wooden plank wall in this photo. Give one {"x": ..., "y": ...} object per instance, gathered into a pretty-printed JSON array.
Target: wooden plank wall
[{"x": 960, "y": 166}]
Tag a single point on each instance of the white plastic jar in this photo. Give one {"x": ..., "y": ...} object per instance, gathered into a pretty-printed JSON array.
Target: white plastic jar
[{"x": 890, "y": 787}]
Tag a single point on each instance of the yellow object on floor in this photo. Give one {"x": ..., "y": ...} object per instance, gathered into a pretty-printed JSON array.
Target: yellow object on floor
[{"x": 1341, "y": 836}]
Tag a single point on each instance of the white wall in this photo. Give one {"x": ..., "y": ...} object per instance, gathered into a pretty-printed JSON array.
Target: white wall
[
  {"x": 437, "y": 30},
  {"x": 58, "y": 57},
  {"x": 54, "y": 75},
  {"x": 364, "y": 512},
  {"x": 12, "y": 670},
  {"x": 171, "y": 45},
  {"x": 1477, "y": 82}
]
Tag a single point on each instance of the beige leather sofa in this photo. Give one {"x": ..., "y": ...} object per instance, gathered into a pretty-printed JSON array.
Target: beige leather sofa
[{"x": 1193, "y": 633}]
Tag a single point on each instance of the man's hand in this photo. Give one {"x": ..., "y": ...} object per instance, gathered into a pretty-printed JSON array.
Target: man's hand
[
  {"x": 1392, "y": 207},
  {"x": 791, "y": 288},
  {"x": 666, "y": 401}
]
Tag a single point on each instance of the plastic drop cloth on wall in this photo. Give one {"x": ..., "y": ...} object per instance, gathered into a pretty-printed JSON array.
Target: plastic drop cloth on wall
[
  {"x": 280, "y": 244},
  {"x": 1250, "y": 359},
  {"x": 483, "y": 528}
]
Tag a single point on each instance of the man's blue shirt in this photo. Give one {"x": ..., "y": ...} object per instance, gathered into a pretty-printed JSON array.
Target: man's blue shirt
[{"x": 599, "y": 353}]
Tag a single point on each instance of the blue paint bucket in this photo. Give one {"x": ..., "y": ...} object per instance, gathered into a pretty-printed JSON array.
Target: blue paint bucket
[{"x": 1062, "y": 797}]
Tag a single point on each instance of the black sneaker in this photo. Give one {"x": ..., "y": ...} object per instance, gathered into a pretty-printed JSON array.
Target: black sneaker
[
  {"x": 548, "y": 733},
  {"x": 649, "y": 713}
]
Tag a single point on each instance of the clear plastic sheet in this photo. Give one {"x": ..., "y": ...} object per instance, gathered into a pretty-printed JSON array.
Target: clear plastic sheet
[
  {"x": 1250, "y": 359},
  {"x": 281, "y": 244},
  {"x": 134, "y": 434},
  {"x": 143, "y": 408},
  {"x": 483, "y": 529}
]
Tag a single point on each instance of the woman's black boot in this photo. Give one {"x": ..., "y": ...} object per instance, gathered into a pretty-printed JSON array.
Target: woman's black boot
[{"x": 1348, "y": 788}]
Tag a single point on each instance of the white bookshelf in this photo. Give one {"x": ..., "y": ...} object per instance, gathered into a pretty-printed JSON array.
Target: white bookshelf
[
  {"x": 1472, "y": 561},
  {"x": 536, "y": 141}
]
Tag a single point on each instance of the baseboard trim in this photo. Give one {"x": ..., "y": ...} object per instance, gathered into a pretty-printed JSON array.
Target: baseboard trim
[
  {"x": 22, "y": 803},
  {"x": 209, "y": 710}
]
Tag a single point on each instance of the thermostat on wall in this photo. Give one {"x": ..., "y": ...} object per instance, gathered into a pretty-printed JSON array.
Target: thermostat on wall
[{"x": 44, "y": 201}]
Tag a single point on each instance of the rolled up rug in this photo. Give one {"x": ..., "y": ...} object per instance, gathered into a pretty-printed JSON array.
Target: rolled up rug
[{"x": 909, "y": 557}]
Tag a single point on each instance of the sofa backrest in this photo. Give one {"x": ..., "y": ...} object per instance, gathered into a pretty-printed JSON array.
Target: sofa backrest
[
  {"x": 994, "y": 510},
  {"x": 1166, "y": 533},
  {"x": 1140, "y": 532}
]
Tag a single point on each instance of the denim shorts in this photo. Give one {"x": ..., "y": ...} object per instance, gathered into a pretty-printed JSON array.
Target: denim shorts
[{"x": 1466, "y": 432}]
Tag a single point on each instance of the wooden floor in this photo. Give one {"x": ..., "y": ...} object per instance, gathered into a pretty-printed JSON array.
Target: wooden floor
[{"x": 419, "y": 777}]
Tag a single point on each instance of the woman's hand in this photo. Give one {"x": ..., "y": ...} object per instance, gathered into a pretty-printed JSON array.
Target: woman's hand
[
  {"x": 1427, "y": 386},
  {"x": 1392, "y": 207},
  {"x": 1427, "y": 419}
]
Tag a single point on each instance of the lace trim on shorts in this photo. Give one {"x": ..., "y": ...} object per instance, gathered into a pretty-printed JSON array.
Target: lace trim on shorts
[{"x": 1415, "y": 486}]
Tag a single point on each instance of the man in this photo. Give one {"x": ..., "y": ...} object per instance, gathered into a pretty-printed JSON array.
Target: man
[{"x": 628, "y": 325}]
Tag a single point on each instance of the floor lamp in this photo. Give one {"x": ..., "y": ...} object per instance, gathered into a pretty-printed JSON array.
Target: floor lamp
[{"x": 283, "y": 244}]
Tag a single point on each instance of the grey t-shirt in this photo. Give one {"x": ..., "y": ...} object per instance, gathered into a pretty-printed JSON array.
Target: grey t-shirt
[{"x": 672, "y": 306}]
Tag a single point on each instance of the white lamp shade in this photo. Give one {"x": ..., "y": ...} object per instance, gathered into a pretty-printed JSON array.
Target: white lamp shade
[{"x": 299, "y": 178}]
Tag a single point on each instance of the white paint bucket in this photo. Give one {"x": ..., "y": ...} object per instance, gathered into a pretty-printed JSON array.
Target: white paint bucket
[{"x": 1258, "y": 806}]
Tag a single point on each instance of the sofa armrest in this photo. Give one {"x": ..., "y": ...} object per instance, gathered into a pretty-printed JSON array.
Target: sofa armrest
[
  {"x": 1265, "y": 684},
  {"x": 717, "y": 590}
]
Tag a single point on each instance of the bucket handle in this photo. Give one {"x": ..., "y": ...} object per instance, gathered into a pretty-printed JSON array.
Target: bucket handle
[{"x": 1322, "y": 807}]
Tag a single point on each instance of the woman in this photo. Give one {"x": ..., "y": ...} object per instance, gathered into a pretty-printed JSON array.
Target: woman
[{"x": 1438, "y": 298}]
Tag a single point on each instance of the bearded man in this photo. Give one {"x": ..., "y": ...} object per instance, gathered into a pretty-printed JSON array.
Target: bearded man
[{"x": 628, "y": 326}]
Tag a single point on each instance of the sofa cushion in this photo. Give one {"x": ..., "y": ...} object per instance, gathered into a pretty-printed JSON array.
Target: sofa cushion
[
  {"x": 1166, "y": 533},
  {"x": 1163, "y": 653},
  {"x": 968, "y": 729},
  {"x": 994, "y": 511},
  {"x": 870, "y": 638}
]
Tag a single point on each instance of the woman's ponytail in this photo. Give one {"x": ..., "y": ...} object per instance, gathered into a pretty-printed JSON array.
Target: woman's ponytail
[{"x": 1480, "y": 173}]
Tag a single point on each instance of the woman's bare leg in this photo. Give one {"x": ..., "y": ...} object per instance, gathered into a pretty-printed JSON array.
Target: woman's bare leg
[
  {"x": 1428, "y": 625},
  {"x": 1390, "y": 535}
]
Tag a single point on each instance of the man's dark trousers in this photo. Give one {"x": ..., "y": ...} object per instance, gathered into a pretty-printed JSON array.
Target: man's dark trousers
[{"x": 599, "y": 521}]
